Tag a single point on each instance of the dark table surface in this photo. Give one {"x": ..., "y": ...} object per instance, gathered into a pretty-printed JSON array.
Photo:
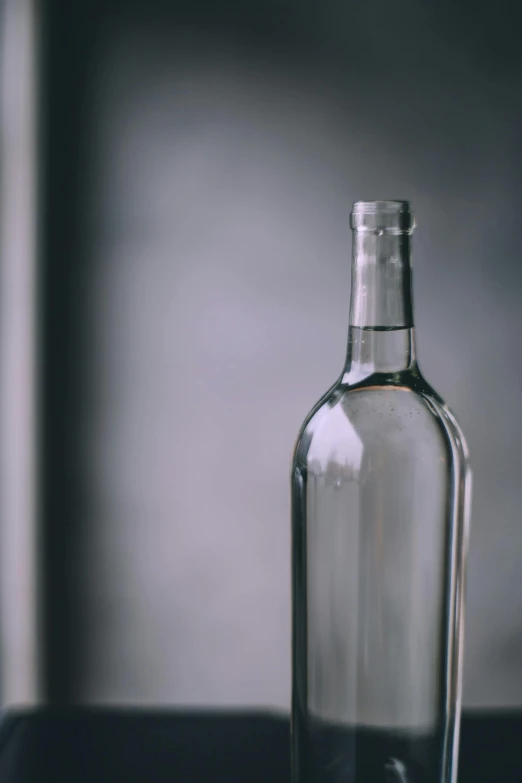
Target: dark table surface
[{"x": 204, "y": 747}]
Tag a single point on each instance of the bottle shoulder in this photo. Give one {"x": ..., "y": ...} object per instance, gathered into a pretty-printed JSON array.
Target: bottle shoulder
[{"x": 394, "y": 413}]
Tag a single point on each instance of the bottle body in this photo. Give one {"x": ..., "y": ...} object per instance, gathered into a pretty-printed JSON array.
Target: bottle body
[{"x": 380, "y": 505}]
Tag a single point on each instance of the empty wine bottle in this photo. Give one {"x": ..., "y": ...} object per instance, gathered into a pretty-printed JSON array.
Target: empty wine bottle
[{"x": 381, "y": 491}]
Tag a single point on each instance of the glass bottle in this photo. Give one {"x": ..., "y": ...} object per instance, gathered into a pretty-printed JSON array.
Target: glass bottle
[{"x": 380, "y": 509}]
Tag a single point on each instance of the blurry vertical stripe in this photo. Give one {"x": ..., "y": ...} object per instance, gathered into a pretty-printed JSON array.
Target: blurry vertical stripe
[{"x": 19, "y": 664}]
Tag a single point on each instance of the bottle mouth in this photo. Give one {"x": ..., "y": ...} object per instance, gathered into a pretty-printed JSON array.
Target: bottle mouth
[{"x": 382, "y": 217}]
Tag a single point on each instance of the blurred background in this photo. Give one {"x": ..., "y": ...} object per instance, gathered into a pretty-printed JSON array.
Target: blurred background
[{"x": 176, "y": 181}]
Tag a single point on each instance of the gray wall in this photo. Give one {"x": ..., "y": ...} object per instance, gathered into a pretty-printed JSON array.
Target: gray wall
[
  {"x": 216, "y": 299},
  {"x": 185, "y": 302}
]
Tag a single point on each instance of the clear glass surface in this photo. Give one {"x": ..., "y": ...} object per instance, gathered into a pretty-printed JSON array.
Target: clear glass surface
[{"x": 380, "y": 503}]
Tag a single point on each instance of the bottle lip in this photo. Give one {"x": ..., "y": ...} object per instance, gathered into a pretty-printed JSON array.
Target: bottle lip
[{"x": 383, "y": 217}]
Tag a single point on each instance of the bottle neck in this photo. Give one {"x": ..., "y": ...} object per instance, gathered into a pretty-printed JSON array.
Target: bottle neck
[
  {"x": 372, "y": 351},
  {"x": 381, "y": 281},
  {"x": 381, "y": 337}
]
